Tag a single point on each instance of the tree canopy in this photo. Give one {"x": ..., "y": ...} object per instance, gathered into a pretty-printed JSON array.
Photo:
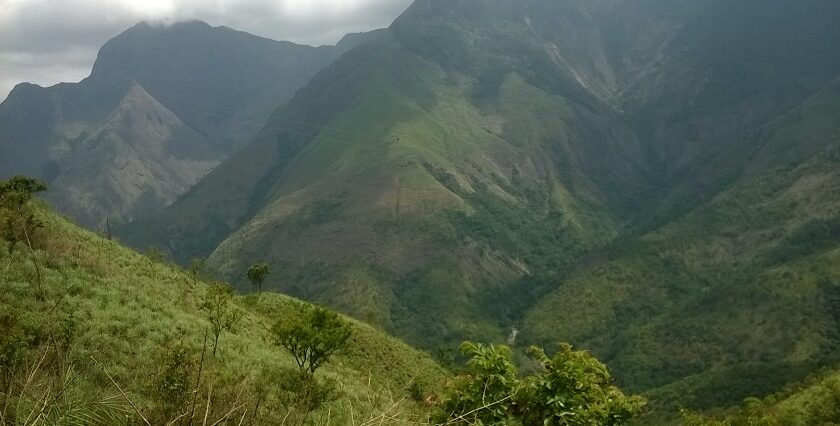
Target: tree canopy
[
  {"x": 312, "y": 336},
  {"x": 570, "y": 388},
  {"x": 257, "y": 274}
]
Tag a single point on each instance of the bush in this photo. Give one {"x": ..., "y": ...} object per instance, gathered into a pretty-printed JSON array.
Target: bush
[
  {"x": 219, "y": 309},
  {"x": 571, "y": 388},
  {"x": 175, "y": 379},
  {"x": 302, "y": 393},
  {"x": 312, "y": 335}
]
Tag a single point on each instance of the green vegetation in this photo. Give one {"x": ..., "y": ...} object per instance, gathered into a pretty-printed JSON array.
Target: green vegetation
[
  {"x": 115, "y": 340},
  {"x": 815, "y": 401},
  {"x": 220, "y": 311},
  {"x": 653, "y": 180},
  {"x": 257, "y": 274},
  {"x": 571, "y": 388},
  {"x": 18, "y": 219},
  {"x": 313, "y": 336}
]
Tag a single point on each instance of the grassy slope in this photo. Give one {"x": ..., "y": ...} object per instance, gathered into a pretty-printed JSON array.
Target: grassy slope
[{"x": 124, "y": 307}]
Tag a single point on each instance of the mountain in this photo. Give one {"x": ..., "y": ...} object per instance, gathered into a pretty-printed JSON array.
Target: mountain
[
  {"x": 118, "y": 335},
  {"x": 656, "y": 181},
  {"x": 162, "y": 107}
]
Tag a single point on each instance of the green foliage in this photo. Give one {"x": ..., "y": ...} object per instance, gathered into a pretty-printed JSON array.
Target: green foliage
[
  {"x": 175, "y": 377},
  {"x": 17, "y": 220},
  {"x": 753, "y": 412},
  {"x": 220, "y": 311},
  {"x": 487, "y": 392},
  {"x": 304, "y": 393},
  {"x": 144, "y": 324},
  {"x": 256, "y": 274},
  {"x": 17, "y": 191},
  {"x": 667, "y": 230},
  {"x": 690, "y": 418},
  {"x": 312, "y": 336},
  {"x": 572, "y": 388}
]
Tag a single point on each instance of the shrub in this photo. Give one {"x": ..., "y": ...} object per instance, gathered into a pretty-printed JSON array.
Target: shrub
[
  {"x": 571, "y": 388},
  {"x": 312, "y": 335}
]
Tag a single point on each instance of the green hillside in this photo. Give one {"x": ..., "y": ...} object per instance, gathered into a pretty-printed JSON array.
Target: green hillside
[
  {"x": 80, "y": 307},
  {"x": 409, "y": 200},
  {"x": 655, "y": 181},
  {"x": 810, "y": 402}
]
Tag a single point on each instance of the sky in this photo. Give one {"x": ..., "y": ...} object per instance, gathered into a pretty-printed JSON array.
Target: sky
[{"x": 51, "y": 41}]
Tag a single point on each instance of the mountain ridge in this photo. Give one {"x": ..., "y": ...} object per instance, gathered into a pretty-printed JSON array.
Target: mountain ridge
[
  {"x": 616, "y": 174},
  {"x": 220, "y": 83}
]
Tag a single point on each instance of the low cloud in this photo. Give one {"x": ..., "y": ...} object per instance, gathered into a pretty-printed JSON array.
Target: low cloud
[{"x": 49, "y": 41}]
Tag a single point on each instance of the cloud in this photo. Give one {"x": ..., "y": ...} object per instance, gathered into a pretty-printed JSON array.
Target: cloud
[{"x": 48, "y": 41}]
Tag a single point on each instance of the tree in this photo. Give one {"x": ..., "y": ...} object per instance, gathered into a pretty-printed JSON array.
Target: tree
[
  {"x": 574, "y": 388},
  {"x": 257, "y": 274},
  {"x": 18, "y": 218},
  {"x": 312, "y": 335},
  {"x": 219, "y": 309},
  {"x": 17, "y": 191},
  {"x": 571, "y": 388}
]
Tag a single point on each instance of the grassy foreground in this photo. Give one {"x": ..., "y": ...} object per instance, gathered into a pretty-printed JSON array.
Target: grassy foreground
[{"x": 95, "y": 332}]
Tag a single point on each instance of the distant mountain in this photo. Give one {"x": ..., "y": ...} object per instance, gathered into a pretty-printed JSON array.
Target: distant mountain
[
  {"x": 654, "y": 180},
  {"x": 162, "y": 107}
]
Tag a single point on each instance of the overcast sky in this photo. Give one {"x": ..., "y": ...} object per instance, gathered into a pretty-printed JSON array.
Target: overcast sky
[{"x": 50, "y": 41}]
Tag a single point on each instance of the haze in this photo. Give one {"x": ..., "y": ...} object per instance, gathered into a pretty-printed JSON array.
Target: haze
[{"x": 51, "y": 41}]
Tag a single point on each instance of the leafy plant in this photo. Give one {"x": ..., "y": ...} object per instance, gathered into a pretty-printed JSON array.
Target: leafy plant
[
  {"x": 571, "y": 388},
  {"x": 174, "y": 380},
  {"x": 302, "y": 393},
  {"x": 574, "y": 388},
  {"x": 312, "y": 336},
  {"x": 220, "y": 311},
  {"x": 485, "y": 393}
]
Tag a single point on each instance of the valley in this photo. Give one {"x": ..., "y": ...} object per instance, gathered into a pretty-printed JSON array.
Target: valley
[{"x": 655, "y": 182}]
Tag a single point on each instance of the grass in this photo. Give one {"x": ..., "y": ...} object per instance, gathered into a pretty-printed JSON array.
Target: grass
[{"x": 124, "y": 310}]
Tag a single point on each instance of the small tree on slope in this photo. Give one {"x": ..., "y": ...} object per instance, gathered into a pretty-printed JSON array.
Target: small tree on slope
[
  {"x": 257, "y": 274},
  {"x": 219, "y": 309},
  {"x": 312, "y": 335}
]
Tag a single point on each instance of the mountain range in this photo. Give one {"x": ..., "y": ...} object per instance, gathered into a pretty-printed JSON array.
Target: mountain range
[
  {"x": 162, "y": 107},
  {"x": 657, "y": 181}
]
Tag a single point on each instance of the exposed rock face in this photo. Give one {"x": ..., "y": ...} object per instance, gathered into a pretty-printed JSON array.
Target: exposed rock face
[{"x": 162, "y": 107}]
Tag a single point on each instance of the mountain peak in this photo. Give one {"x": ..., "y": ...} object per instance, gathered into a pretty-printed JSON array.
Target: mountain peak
[{"x": 153, "y": 25}]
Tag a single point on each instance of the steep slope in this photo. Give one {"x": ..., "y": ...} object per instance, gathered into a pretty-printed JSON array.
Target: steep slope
[
  {"x": 205, "y": 92},
  {"x": 137, "y": 161},
  {"x": 721, "y": 301},
  {"x": 389, "y": 173},
  {"x": 653, "y": 180},
  {"x": 95, "y": 305}
]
